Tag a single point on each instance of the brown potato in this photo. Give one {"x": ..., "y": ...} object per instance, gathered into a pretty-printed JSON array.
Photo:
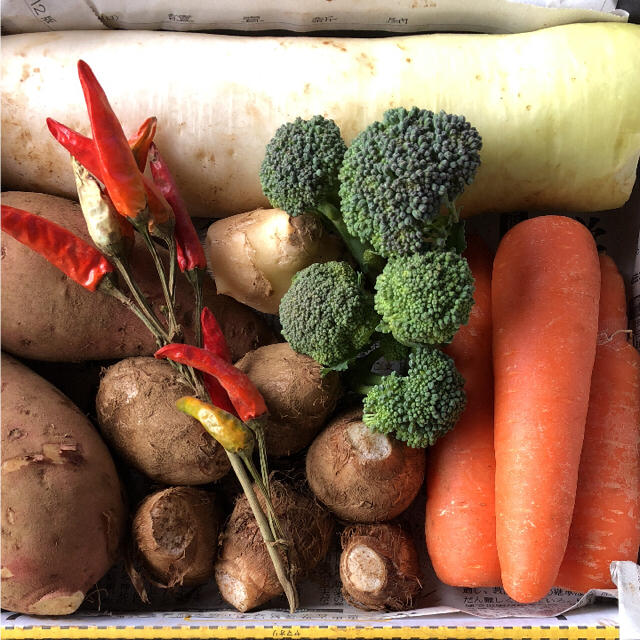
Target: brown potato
[
  {"x": 379, "y": 567},
  {"x": 136, "y": 411},
  {"x": 244, "y": 571},
  {"x": 298, "y": 396},
  {"x": 175, "y": 533},
  {"x": 47, "y": 316},
  {"x": 63, "y": 515},
  {"x": 361, "y": 475}
]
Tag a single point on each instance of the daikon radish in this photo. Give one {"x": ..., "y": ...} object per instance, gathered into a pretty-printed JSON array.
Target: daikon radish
[{"x": 556, "y": 108}]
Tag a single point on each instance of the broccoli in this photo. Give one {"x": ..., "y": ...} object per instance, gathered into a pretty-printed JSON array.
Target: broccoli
[
  {"x": 425, "y": 297},
  {"x": 327, "y": 314},
  {"x": 398, "y": 174},
  {"x": 420, "y": 407},
  {"x": 299, "y": 174}
]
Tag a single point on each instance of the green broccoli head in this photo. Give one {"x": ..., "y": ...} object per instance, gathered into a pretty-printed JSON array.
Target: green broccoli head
[
  {"x": 326, "y": 313},
  {"x": 300, "y": 168},
  {"x": 425, "y": 297},
  {"x": 422, "y": 406},
  {"x": 398, "y": 173}
]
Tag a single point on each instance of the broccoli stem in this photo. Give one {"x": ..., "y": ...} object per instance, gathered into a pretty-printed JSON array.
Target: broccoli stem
[{"x": 370, "y": 262}]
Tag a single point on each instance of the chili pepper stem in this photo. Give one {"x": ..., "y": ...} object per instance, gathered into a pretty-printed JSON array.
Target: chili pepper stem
[
  {"x": 152, "y": 321},
  {"x": 194, "y": 276},
  {"x": 282, "y": 572},
  {"x": 173, "y": 261},
  {"x": 108, "y": 287},
  {"x": 174, "y": 329}
]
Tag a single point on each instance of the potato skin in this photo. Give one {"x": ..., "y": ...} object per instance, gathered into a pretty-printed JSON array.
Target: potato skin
[
  {"x": 136, "y": 411},
  {"x": 298, "y": 397},
  {"x": 59, "y": 320},
  {"x": 175, "y": 532},
  {"x": 359, "y": 488},
  {"x": 63, "y": 514},
  {"x": 244, "y": 571}
]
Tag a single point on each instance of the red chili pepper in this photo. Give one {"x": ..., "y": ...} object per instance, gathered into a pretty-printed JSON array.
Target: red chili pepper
[
  {"x": 246, "y": 399},
  {"x": 83, "y": 149},
  {"x": 120, "y": 173},
  {"x": 73, "y": 256},
  {"x": 142, "y": 140},
  {"x": 162, "y": 220},
  {"x": 190, "y": 252},
  {"x": 213, "y": 340}
]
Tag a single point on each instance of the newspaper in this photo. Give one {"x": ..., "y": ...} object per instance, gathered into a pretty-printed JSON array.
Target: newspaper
[{"x": 396, "y": 16}]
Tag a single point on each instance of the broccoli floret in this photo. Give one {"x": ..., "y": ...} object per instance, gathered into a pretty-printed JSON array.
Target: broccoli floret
[
  {"x": 422, "y": 406},
  {"x": 327, "y": 314},
  {"x": 398, "y": 174},
  {"x": 425, "y": 297},
  {"x": 299, "y": 172}
]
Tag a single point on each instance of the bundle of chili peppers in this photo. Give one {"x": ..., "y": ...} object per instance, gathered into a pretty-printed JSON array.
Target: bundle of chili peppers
[{"x": 117, "y": 200}]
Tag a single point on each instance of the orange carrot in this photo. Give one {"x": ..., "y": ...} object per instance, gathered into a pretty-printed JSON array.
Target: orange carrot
[
  {"x": 606, "y": 518},
  {"x": 545, "y": 291},
  {"x": 460, "y": 523}
]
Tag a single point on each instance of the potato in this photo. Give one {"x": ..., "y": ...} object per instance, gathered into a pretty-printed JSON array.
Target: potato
[
  {"x": 244, "y": 571},
  {"x": 379, "y": 567},
  {"x": 298, "y": 396},
  {"x": 63, "y": 514},
  {"x": 361, "y": 475},
  {"x": 57, "y": 319},
  {"x": 254, "y": 255},
  {"x": 561, "y": 129},
  {"x": 175, "y": 533},
  {"x": 136, "y": 411}
]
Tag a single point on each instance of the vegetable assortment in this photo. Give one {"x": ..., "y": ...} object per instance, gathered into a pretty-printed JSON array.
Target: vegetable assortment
[{"x": 396, "y": 332}]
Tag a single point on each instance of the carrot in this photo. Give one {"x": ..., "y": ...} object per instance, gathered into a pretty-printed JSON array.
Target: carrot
[
  {"x": 460, "y": 523},
  {"x": 545, "y": 292},
  {"x": 606, "y": 518}
]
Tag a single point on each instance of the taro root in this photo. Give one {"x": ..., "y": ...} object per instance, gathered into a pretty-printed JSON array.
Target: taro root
[
  {"x": 379, "y": 567},
  {"x": 137, "y": 415},
  {"x": 175, "y": 533},
  {"x": 362, "y": 475},
  {"x": 298, "y": 396},
  {"x": 63, "y": 515},
  {"x": 244, "y": 571}
]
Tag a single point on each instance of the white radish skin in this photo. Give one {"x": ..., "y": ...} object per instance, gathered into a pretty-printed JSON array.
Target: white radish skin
[{"x": 556, "y": 108}]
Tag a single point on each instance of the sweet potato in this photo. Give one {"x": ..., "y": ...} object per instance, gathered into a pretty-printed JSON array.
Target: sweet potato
[
  {"x": 135, "y": 406},
  {"x": 360, "y": 475},
  {"x": 175, "y": 533},
  {"x": 540, "y": 100},
  {"x": 56, "y": 319},
  {"x": 298, "y": 396},
  {"x": 63, "y": 514},
  {"x": 244, "y": 571}
]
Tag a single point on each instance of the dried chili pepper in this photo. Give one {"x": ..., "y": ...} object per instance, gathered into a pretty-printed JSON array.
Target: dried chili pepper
[
  {"x": 190, "y": 252},
  {"x": 120, "y": 173},
  {"x": 73, "y": 256},
  {"x": 246, "y": 399},
  {"x": 230, "y": 432},
  {"x": 110, "y": 232},
  {"x": 142, "y": 140}
]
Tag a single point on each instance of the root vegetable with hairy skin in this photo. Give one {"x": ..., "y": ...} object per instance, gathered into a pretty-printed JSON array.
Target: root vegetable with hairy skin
[
  {"x": 379, "y": 567},
  {"x": 63, "y": 515},
  {"x": 59, "y": 320},
  {"x": 298, "y": 396},
  {"x": 363, "y": 476},
  {"x": 175, "y": 532},
  {"x": 254, "y": 255},
  {"x": 136, "y": 411},
  {"x": 244, "y": 571}
]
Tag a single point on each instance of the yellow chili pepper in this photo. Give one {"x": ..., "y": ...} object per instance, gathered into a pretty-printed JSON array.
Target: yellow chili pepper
[{"x": 228, "y": 430}]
